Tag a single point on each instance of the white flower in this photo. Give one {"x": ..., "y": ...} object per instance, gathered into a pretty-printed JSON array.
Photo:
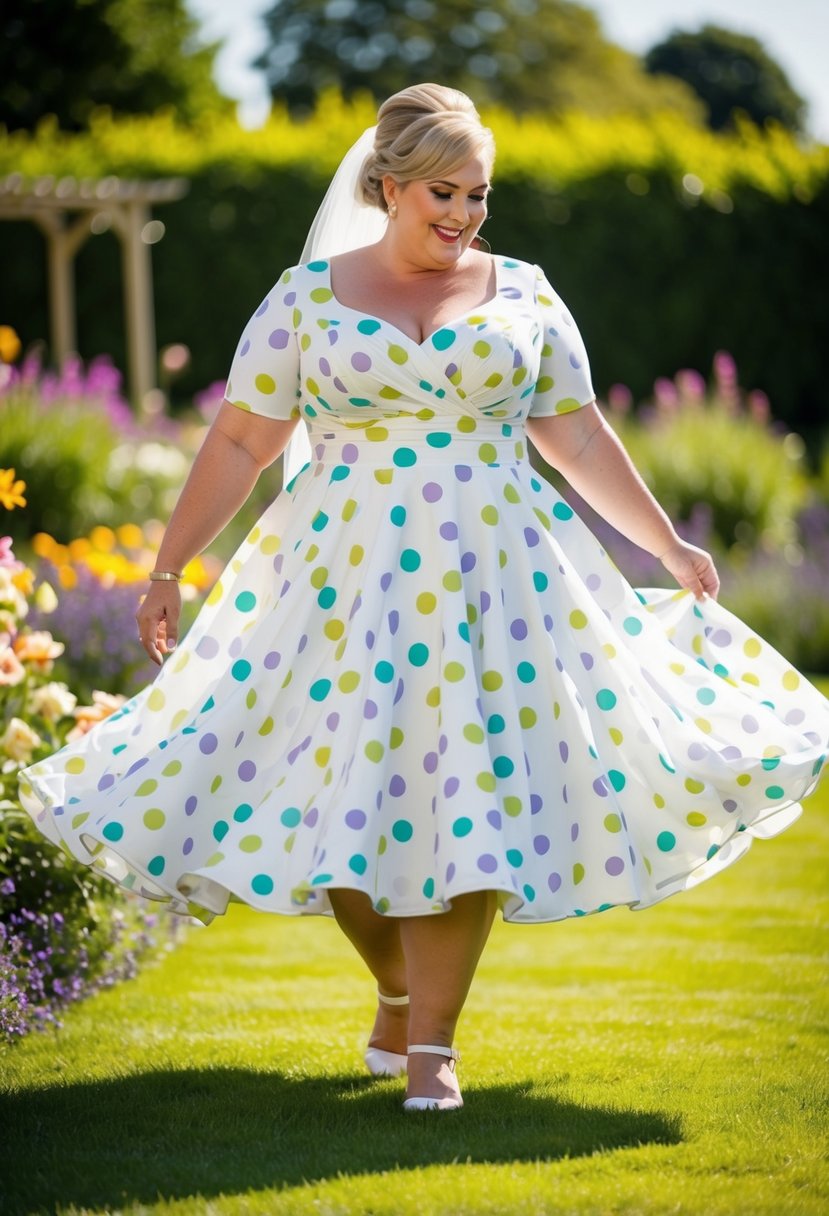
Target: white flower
[
  {"x": 53, "y": 701},
  {"x": 20, "y": 740},
  {"x": 45, "y": 598}
]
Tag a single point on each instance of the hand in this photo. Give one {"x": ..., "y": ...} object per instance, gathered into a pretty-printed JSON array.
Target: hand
[
  {"x": 692, "y": 568},
  {"x": 157, "y": 618}
]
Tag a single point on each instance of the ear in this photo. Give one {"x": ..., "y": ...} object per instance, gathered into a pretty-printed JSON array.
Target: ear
[{"x": 391, "y": 189}]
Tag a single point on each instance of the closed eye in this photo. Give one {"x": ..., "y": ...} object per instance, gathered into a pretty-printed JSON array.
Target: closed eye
[{"x": 476, "y": 198}]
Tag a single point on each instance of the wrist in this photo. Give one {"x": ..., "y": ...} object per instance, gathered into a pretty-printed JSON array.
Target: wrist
[{"x": 164, "y": 576}]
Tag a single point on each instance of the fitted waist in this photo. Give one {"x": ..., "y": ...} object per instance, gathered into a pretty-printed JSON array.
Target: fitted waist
[{"x": 394, "y": 444}]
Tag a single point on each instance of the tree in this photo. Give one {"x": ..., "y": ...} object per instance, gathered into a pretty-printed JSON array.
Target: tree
[
  {"x": 729, "y": 71},
  {"x": 528, "y": 54},
  {"x": 132, "y": 55}
]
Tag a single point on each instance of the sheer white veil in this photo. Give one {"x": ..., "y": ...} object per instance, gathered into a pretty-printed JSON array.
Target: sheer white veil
[{"x": 344, "y": 221}]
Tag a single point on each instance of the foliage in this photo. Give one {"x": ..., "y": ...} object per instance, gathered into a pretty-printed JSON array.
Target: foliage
[
  {"x": 655, "y": 232},
  {"x": 729, "y": 71},
  {"x": 86, "y": 460},
  {"x": 132, "y": 55},
  {"x": 532, "y": 57}
]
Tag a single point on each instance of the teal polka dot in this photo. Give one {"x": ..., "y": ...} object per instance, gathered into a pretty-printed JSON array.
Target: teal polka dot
[
  {"x": 529, "y": 892},
  {"x": 526, "y": 673},
  {"x": 540, "y": 580},
  {"x": 605, "y": 699},
  {"x": 495, "y": 724},
  {"x": 706, "y": 696},
  {"x": 398, "y": 516},
  {"x": 340, "y": 472},
  {"x": 291, "y": 817},
  {"x": 443, "y": 339},
  {"x": 113, "y": 831},
  {"x": 240, "y": 670},
  {"x": 402, "y": 830},
  {"x": 368, "y": 326},
  {"x": 462, "y": 827},
  {"x": 384, "y": 672},
  {"x": 410, "y": 560},
  {"x": 770, "y": 763},
  {"x": 562, "y": 511},
  {"x": 665, "y": 841},
  {"x": 502, "y": 766},
  {"x": 358, "y": 863},
  {"x": 319, "y": 690},
  {"x": 418, "y": 654},
  {"x": 220, "y": 829},
  {"x": 429, "y": 888},
  {"x": 326, "y": 597},
  {"x": 775, "y": 791},
  {"x": 632, "y": 625},
  {"x": 404, "y": 458},
  {"x": 438, "y": 439},
  {"x": 319, "y": 521},
  {"x": 515, "y": 857},
  {"x": 617, "y": 779},
  {"x": 261, "y": 884},
  {"x": 156, "y": 866},
  {"x": 245, "y": 601},
  {"x": 243, "y": 811}
]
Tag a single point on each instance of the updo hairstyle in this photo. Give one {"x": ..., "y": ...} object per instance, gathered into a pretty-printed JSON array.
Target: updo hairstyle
[{"x": 425, "y": 131}]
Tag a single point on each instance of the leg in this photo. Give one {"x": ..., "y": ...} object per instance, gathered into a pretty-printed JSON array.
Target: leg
[
  {"x": 377, "y": 940},
  {"x": 441, "y": 953}
]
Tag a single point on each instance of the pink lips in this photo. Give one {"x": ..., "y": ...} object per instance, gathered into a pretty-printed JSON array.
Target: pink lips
[{"x": 442, "y": 233}]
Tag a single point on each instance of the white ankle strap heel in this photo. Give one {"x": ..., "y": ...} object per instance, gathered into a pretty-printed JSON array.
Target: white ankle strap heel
[
  {"x": 434, "y": 1103},
  {"x": 387, "y": 1063}
]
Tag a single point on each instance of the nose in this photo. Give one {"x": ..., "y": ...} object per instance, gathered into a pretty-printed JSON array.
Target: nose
[{"x": 459, "y": 210}]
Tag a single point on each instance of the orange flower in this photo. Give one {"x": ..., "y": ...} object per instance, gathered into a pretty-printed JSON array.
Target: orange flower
[
  {"x": 87, "y": 716},
  {"x": 11, "y": 491},
  {"x": 39, "y": 649},
  {"x": 9, "y": 344}
]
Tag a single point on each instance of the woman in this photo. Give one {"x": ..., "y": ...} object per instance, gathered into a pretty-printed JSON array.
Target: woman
[{"x": 421, "y": 691}]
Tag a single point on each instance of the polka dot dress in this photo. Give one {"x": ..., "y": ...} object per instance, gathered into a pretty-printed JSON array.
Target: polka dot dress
[{"x": 421, "y": 675}]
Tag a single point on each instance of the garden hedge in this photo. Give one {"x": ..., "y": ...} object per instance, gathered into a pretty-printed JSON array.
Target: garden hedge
[{"x": 668, "y": 242}]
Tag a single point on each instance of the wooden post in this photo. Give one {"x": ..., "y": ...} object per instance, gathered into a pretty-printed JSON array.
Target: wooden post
[
  {"x": 63, "y": 240},
  {"x": 138, "y": 303}
]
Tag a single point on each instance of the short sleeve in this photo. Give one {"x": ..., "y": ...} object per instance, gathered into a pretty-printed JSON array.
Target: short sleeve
[
  {"x": 563, "y": 383},
  {"x": 264, "y": 374}
]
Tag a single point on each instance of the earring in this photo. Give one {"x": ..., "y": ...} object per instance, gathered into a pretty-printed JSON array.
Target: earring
[{"x": 392, "y": 211}]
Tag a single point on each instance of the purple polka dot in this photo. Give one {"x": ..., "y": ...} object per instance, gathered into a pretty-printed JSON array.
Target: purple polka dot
[
  {"x": 208, "y": 744},
  {"x": 463, "y": 472},
  {"x": 360, "y": 361},
  {"x": 600, "y": 787},
  {"x": 394, "y": 621},
  {"x": 312, "y": 817},
  {"x": 370, "y": 709},
  {"x": 235, "y": 648},
  {"x": 325, "y": 367},
  {"x": 486, "y": 602},
  {"x": 187, "y": 847},
  {"x": 333, "y": 337},
  {"x": 574, "y": 832},
  {"x": 443, "y": 743},
  {"x": 370, "y": 639},
  {"x": 207, "y": 648},
  {"x": 592, "y": 582},
  {"x": 554, "y": 882},
  {"x": 430, "y": 762},
  {"x": 432, "y": 492},
  {"x": 191, "y": 804},
  {"x": 518, "y": 629},
  {"x": 385, "y": 581},
  {"x": 450, "y": 871},
  {"x": 563, "y": 751},
  {"x": 332, "y": 721},
  {"x": 536, "y": 803},
  {"x": 487, "y": 863},
  {"x": 548, "y": 623},
  {"x": 468, "y": 562},
  {"x": 730, "y": 805},
  {"x": 449, "y": 530},
  {"x": 541, "y": 844},
  {"x": 272, "y": 659},
  {"x": 750, "y": 724},
  {"x": 247, "y": 770},
  {"x": 397, "y": 786},
  {"x": 586, "y": 660},
  {"x": 279, "y": 339},
  {"x": 338, "y": 384},
  {"x": 302, "y": 643},
  {"x": 794, "y": 717},
  {"x": 239, "y": 738},
  {"x": 614, "y": 865},
  {"x": 731, "y": 753},
  {"x": 106, "y": 781},
  {"x": 531, "y": 537},
  {"x": 289, "y": 298},
  {"x": 451, "y": 786},
  {"x": 350, "y": 453},
  {"x": 493, "y": 818},
  {"x": 697, "y": 751},
  {"x": 245, "y": 347},
  {"x": 720, "y": 637},
  {"x": 356, "y": 819}
]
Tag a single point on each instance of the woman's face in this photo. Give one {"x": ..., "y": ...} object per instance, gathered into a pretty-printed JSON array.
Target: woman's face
[{"x": 438, "y": 218}]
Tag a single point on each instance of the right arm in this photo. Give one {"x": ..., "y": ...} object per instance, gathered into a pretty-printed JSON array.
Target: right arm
[{"x": 239, "y": 445}]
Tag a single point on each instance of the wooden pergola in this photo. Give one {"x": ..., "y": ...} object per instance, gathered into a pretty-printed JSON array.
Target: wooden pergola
[{"x": 68, "y": 211}]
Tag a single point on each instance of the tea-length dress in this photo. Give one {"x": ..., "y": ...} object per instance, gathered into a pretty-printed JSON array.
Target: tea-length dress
[{"x": 420, "y": 674}]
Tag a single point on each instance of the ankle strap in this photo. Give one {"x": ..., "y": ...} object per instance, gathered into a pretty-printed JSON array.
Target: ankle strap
[
  {"x": 391, "y": 1000},
  {"x": 436, "y": 1050}
]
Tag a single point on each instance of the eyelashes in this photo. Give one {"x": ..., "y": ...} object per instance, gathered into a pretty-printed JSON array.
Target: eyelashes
[{"x": 475, "y": 198}]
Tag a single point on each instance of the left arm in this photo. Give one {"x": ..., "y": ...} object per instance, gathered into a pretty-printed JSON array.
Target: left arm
[{"x": 590, "y": 456}]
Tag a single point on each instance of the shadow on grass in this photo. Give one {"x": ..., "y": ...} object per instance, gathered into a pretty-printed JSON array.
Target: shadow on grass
[{"x": 172, "y": 1134}]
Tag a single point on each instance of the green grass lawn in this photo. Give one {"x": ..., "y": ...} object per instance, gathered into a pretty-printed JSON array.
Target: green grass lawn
[{"x": 668, "y": 1061}]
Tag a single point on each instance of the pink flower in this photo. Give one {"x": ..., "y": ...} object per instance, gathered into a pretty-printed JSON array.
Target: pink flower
[
  {"x": 12, "y": 670},
  {"x": 7, "y": 558},
  {"x": 619, "y": 398}
]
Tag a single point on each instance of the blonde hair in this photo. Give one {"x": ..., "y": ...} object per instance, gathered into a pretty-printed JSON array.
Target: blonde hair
[{"x": 425, "y": 131}]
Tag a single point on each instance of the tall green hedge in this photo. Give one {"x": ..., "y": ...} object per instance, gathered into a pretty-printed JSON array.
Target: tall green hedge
[{"x": 668, "y": 242}]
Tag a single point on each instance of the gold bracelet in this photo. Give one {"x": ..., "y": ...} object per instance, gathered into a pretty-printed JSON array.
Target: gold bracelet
[{"x": 164, "y": 576}]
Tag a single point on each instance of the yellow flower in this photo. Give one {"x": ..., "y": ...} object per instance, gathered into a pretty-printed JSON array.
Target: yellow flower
[
  {"x": 102, "y": 538},
  {"x": 11, "y": 491},
  {"x": 9, "y": 344},
  {"x": 130, "y": 536},
  {"x": 24, "y": 580},
  {"x": 39, "y": 649}
]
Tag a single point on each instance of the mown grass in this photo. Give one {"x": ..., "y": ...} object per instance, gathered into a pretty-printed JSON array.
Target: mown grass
[{"x": 671, "y": 1061}]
